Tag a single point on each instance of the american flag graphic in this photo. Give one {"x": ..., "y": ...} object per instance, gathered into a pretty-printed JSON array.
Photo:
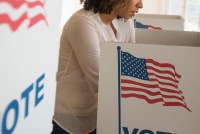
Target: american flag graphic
[
  {"x": 15, "y": 12},
  {"x": 143, "y": 26},
  {"x": 151, "y": 81}
]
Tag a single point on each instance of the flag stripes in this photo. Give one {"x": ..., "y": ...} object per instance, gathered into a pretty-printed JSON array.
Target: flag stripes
[
  {"x": 30, "y": 11},
  {"x": 144, "y": 26},
  {"x": 151, "y": 81}
]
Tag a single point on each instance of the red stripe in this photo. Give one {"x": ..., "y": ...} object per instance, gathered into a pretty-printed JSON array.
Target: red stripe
[
  {"x": 163, "y": 83},
  {"x": 171, "y": 90},
  {"x": 150, "y": 101},
  {"x": 173, "y": 97},
  {"x": 14, "y": 25},
  {"x": 34, "y": 4},
  {"x": 176, "y": 104},
  {"x": 164, "y": 65},
  {"x": 164, "y": 77},
  {"x": 125, "y": 81},
  {"x": 152, "y": 93},
  {"x": 160, "y": 71},
  {"x": 14, "y": 3},
  {"x": 140, "y": 90},
  {"x": 137, "y": 83},
  {"x": 18, "y": 3},
  {"x": 153, "y": 27},
  {"x": 36, "y": 19}
]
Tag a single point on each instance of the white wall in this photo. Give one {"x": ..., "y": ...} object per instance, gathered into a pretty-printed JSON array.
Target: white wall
[
  {"x": 68, "y": 8},
  {"x": 150, "y": 7},
  {"x": 153, "y": 6}
]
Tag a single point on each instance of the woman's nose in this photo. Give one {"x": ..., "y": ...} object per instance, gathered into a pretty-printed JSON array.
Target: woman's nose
[{"x": 140, "y": 4}]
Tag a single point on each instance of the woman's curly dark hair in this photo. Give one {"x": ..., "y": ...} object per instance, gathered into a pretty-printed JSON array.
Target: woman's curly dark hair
[{"x": 101, "y": 6}]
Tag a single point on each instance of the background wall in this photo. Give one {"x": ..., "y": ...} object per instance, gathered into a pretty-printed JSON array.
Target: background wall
[
  {"x": 188, "y": 9},
  {"x": 154, "y": 7},
  {"x": 150, "y": 7},
  {"x": 68, "y": 8}
]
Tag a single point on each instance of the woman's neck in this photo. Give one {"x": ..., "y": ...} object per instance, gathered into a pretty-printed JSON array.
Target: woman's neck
[{"x": 107, "y": 18}]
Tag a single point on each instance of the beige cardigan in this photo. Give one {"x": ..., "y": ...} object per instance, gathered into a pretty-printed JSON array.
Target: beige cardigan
[{"x": 77, "y": 76}]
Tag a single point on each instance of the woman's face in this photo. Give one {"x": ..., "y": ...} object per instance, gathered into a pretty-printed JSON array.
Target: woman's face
[{"x": 131, "y": 8}]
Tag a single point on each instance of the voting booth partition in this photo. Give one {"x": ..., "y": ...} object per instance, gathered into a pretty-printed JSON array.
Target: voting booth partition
[
  {"x": 159, "y": 22},
  {"x": 28, "y": 56},
  {"x": 150, "y": 87},
  {"x": 168, "y": 37}
]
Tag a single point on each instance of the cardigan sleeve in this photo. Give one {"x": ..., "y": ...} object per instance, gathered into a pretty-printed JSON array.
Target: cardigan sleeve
[{"x": 84, "y": 40}]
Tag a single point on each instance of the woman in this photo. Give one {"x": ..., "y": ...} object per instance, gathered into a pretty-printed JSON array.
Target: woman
[{"x": 77, "y": 76}]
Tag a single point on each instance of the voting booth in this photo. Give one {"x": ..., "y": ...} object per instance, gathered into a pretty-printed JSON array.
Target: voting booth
[
  {"x": 149, "y": 87},
  {"x": 29, "y": 45},
  {"x": 168, "y": 37},
  {"x": 159, "y": 22}
]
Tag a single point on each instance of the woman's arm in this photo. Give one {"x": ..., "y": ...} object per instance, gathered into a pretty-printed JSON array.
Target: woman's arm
[{"x": 84, "y": 40}]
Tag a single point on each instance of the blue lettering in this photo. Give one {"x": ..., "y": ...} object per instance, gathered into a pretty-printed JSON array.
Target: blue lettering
[
  {"x": 38, "y": 89},
  {"x": 159, "y": 132},
  {"x": 125, "y": 129},
  {"x": 146, "y": 132},
  {"x": 25, "y": 95},
  {"x": 15, "y": 106}
]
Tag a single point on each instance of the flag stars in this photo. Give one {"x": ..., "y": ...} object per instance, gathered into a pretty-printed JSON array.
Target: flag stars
[{"x": 133, "y": 66}]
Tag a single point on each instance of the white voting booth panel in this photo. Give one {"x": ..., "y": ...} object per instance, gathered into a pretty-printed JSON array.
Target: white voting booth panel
[
  {"x": 28, "y": 56},
  {"x": 168, "y": 37},
  {"x": 149, "y": 89},
  {"x": 155, "y": 21}
]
